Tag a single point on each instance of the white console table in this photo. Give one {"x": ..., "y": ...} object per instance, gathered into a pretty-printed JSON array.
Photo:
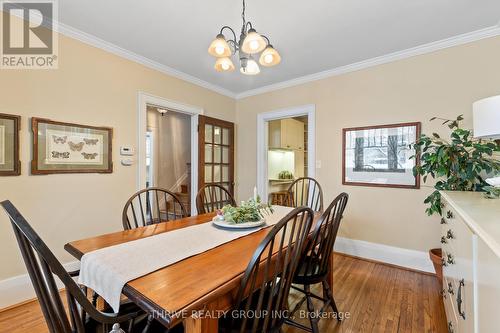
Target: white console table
[{"x": 471, "y": 262}]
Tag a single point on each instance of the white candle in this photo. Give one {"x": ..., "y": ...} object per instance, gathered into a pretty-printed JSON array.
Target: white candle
[{"x": 255, "y": 194}]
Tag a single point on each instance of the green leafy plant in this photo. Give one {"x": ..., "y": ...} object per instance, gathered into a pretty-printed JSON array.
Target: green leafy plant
[
  {"x": 285, "y": 174},
  {"x": 457, "y": 164},
  {"x": 492, "y": 192},
  {"x": 249, "y": 211}
]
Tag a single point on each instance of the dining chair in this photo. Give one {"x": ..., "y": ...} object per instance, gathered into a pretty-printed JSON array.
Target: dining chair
[
  {"x": 212, "y": 197},
  {"x": 41, "y": 264},
  {"x": 270, "y": 273},
  {"x": 152, "y": 205},
  {"x": 314, "y": 264},
  {"x": 306, "y": 191}
]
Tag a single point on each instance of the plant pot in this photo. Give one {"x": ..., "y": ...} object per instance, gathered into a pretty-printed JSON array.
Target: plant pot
[{"x": 436, "y": 255}]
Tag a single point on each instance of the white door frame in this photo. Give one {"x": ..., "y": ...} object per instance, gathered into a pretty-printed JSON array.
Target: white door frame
[
  {"x": 145, "y": 99},
  {"x": 308, "y": 110}
]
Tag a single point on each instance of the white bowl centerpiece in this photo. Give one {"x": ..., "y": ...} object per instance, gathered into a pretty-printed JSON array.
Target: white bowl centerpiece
[{"x": 249, "y": 214}]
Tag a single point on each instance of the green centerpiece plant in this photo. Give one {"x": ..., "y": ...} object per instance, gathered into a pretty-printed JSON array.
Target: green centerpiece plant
[
  {"x": 457, "y": 164},
  {"x": 252, "y": 210}
]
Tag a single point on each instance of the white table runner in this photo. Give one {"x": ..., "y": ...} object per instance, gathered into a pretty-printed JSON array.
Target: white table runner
[{"x": 107, "y": 270}]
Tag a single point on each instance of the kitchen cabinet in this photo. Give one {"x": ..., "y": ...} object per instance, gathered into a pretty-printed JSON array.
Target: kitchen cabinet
[{"x": 286, "y": 134}]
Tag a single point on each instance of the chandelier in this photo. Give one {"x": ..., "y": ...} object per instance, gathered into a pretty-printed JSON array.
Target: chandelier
[{"x": 248, "y": 48}]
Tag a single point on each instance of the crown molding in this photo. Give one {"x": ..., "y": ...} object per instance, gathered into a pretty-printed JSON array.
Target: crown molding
[{"x": 399, "y": 55}]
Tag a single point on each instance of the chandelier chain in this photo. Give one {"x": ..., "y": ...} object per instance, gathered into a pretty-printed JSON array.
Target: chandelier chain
[{"x": 243, "y": 17}]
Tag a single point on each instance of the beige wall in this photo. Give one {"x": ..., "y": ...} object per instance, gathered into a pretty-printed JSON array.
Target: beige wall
[
  {"x": 90, "y": 87},
  {"x": 443, "y": 83}
]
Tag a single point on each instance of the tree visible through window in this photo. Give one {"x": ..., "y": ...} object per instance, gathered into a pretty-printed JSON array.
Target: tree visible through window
[{"x": 381, "y": 149}]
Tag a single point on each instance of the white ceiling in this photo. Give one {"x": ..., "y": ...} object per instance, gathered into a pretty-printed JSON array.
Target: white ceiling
[{"x": 311, "y": 35}]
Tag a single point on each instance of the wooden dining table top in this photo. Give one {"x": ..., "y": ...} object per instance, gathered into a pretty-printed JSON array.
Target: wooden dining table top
[{"x": 187, "y": 285}]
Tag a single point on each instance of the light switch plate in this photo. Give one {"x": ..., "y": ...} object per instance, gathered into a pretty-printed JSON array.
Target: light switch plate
[{"x": 318, "y": 164}]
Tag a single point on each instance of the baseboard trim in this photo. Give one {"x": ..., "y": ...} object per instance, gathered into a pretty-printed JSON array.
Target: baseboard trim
[
  {"x": 18, "y": 290},
  {"x": 396, "y": 256},
  {"x": 384, "y": 264}
]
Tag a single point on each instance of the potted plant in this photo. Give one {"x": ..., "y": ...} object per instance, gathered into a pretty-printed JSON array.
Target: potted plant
[
  {"x": 457, "y": 164},
  {"x": 285, "y": 174}
]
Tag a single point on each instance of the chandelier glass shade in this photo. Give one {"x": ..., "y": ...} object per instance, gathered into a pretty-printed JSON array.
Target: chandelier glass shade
[
  {"x": 253, "y": 42},
  {"x": 269, "y": 57},
  {"x": 219, "y": 47},
  {"x": 224, "y": 65},
  {"x": 250, "y": 44},
  {"x": 251, "y": 68}
]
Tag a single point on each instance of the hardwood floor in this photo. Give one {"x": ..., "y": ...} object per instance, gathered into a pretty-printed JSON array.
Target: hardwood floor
[
  {"x": 382, "y": 298},
  {"x": 374, "y": 298}
]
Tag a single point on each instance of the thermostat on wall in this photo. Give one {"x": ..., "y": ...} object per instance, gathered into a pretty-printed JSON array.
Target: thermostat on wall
[{"x": 126, "y": 151}]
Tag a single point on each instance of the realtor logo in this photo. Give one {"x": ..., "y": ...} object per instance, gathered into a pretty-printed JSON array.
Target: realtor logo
[{"x": 29, "y": 40}]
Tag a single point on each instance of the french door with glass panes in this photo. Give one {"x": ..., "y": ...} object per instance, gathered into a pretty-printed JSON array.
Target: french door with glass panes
[{"x": 216, "y": 152}]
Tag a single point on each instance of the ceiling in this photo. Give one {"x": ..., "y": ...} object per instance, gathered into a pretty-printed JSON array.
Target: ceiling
[{"x": 311, "y": 36}]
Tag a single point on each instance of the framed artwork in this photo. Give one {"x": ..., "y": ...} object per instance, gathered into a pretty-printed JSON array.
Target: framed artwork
[
  {"x": 380, "y": 155},
  {"x": 70, "y": 148},
  {"x": 9, "y": 145}
]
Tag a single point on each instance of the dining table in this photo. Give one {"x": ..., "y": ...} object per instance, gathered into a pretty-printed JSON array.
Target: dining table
[{"x": 195, "y": 290}]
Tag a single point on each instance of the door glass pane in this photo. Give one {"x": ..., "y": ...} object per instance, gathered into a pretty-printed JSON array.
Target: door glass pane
[
  {"x": 225, "y": 136},
  {"x": 225, "y": 155},
  {"x": 216, "y": 174},
  {"x": 208, "y": 153},
  {"x": 208, "y": 133},
  {"x": 208, "y": 173},
  {"x": 217, "y": 154},
  {"x": 217, "y": 134},
  {"x": 225, "y": 173}
]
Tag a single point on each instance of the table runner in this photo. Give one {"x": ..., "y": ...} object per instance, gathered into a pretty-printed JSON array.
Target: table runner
[{"x": 107, "y": 270}]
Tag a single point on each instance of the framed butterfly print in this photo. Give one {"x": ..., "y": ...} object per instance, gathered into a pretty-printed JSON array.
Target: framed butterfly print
[
  {"x": 9, "y": 145},
  {"x": 70, "y": 148}
]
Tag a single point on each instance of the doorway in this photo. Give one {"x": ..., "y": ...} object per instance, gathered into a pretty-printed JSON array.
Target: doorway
[
  {"x": 147, "y": 137},
  {"x": 211, "y": 145},
  {"x": 168, "y": 152},
  {"x": 285, "y": 150}
]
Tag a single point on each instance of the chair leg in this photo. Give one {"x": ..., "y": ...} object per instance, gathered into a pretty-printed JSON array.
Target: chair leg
[
  {"x": 148, "y": 324},
  {"x": 131, "y": 325},
  {"x": 310, "y": 308},
  {"x": 327, "y": 292}
]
